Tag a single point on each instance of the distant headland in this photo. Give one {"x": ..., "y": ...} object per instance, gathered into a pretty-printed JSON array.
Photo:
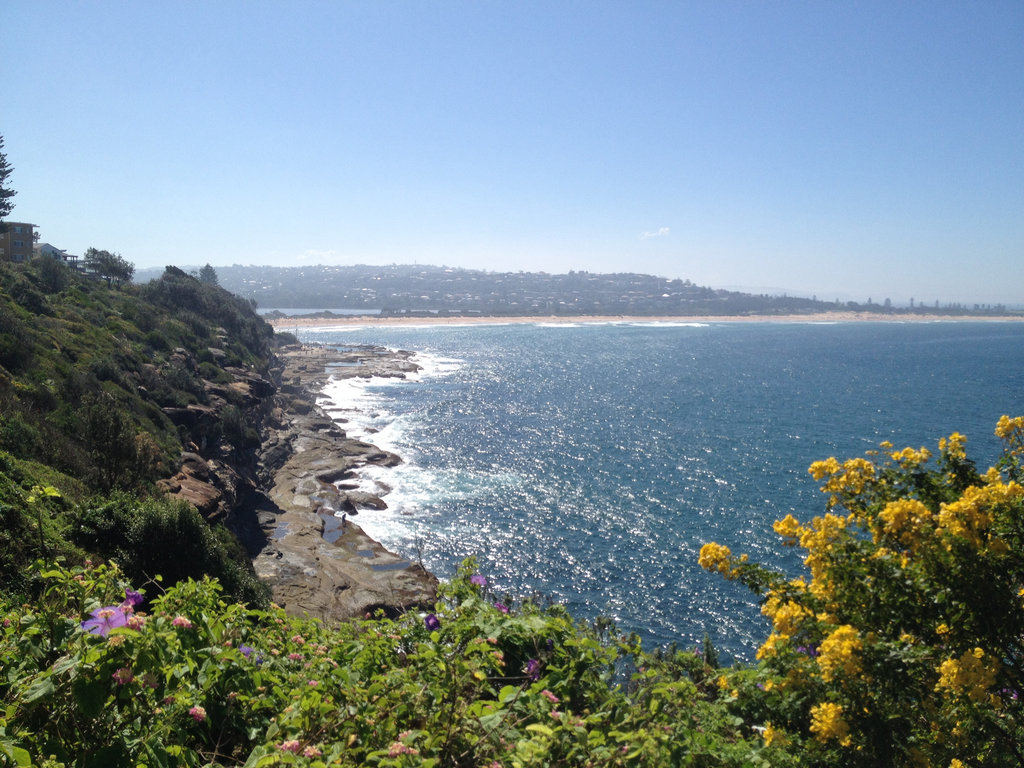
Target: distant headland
[{"x": 420, "y": 291}]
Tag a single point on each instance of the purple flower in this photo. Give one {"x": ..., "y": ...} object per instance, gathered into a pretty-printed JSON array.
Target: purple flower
[
  {"x": 533, "y": 669},
  {"x": 478, "y": 579},
  {"x": 105, "y": 619},
  {"x": 132, "y": 598},
  {"x": 501, "y": 607},
  {"x": 246, "y": 650},
  {"x": 432, "y": 623}
]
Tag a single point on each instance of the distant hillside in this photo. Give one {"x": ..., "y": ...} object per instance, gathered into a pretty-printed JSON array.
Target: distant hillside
[{"x": 404, "y": 289}]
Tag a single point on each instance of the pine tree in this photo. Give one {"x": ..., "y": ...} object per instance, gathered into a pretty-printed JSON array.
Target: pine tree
[
  {"x": 6, "y": 206},
  {"x": 208, "y": 275}
]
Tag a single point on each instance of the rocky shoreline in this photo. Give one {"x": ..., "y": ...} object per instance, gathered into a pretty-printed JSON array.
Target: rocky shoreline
[
  {"x": 315, "y": 563},
  {"x": 280, "y": 497}
]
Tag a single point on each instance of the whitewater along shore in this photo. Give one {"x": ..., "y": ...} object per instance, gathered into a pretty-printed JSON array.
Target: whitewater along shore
[
  {"x": 294, "y": 323},
  {"x": 313, "y": 563}
]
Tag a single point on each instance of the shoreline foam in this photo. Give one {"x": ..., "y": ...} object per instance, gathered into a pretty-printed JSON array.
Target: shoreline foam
[{"x": 285, "y": 323}]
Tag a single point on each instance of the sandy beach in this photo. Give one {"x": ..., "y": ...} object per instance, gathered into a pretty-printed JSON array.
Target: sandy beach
[{"x": 292, "y": 323}]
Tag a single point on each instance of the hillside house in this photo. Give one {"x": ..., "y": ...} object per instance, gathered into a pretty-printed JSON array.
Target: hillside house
[
  {"x": 53, "y": 252},
  {"x": 16, "y": 243}
]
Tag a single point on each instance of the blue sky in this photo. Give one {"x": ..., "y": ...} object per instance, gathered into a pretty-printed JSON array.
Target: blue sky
[{"x": 854, "y": 150}]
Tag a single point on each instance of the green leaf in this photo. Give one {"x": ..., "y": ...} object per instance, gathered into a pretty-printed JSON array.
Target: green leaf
[
  {"x": 258, "y": 752},
  {"x": 20, "y": 756},
  {"x": 40, "y": 689},
  {"x": 507, "y": 693},
  {"x": 65, "y": 663},
  {"x": 540, "y": 729}
]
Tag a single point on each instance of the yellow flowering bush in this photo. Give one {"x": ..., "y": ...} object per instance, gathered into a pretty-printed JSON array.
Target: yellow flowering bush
[
  {"x": 827, "y": 723},
  {"x": 903, "y": 643}
]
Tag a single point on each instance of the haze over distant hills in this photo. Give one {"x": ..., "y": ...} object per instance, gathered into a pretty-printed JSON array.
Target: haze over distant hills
[{"x": 411, "y": 289}]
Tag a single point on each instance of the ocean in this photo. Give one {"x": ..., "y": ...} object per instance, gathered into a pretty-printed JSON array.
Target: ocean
[{"x": 588, "y": 463}]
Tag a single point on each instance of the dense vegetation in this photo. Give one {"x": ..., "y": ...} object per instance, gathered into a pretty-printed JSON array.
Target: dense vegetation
[
  {"x": 90, "y": 380},
  {"x": 900, "y": 646}
]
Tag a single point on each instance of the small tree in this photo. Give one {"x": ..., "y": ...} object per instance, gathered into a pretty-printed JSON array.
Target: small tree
[
  {"x": 208, "y": 275},
  {"x": 110, "y": 266},
  {"x": 6, "y": 193}
]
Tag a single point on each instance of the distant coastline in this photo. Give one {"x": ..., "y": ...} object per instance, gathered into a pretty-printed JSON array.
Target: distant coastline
[{"x": 305, "y": 321}]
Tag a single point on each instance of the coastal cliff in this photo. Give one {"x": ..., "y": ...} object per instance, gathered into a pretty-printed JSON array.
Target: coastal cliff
[{"x": 281, "y": 500}]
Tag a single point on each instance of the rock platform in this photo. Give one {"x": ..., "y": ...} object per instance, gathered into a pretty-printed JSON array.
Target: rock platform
[{"x": 314, "y": 563}]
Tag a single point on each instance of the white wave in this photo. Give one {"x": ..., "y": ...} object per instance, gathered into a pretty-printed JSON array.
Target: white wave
[
  {"x": 434, "y": 366},
  {"x": 669, "y": 324},
  {"x": 414, "y": 495},
  {"x": 364, "y": 410}
]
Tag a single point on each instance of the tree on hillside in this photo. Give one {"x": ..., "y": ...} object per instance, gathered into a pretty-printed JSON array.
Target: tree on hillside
[
  {"x": 208, "y": 275},
  {"x": 110, "y": 266},
  {"x": 6, "y": 193}
]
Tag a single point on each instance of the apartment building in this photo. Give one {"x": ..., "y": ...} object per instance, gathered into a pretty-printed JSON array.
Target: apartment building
[{"x": 16, "y": 243}]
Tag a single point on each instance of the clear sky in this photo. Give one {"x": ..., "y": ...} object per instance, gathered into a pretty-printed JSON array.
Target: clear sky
[{"x": 839, "y": 149}]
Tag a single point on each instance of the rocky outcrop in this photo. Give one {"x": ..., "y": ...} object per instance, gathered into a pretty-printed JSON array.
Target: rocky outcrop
[
  {"x": 315, "y": 562},
  {"x": 281, "y": 497}
]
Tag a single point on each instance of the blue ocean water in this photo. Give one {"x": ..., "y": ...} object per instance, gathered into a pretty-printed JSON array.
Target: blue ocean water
[{"x": 589, "y": 463}]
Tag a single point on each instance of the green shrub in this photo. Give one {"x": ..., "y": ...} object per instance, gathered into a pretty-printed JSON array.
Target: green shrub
[
  {"x": 168, "y": 537},
  {"x": 195, "y": 681}
]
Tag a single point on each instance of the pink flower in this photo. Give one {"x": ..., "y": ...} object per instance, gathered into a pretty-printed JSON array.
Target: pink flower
[
  {"x": 198, "y": 713},
  {"x": 181, "y": 621},
  {"x": 295, "y": 656},
  {"x": 123, "y": 676},
  {"x": 298, "y": 639},
  {"x": 311, "y": 752},
  {"x": 291, "y": 745},
  {"x": 398, "y": 748},
  {"x": 313, "y": 683},
  {"x": 549, "y": 696}
]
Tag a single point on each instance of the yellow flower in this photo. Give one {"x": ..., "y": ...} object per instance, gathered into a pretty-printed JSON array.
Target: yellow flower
[
  {"x": 827, "y": 723},
  {"x": 972, "y": 674},
  {"x": 789, "y": 528},
  {"x": 970, "y": 516},
  {"x": 838, "y": 653},
  {"x": 954, "y": 763},
  {"x": 788, "y": 618},
  {"x": 819, "y": 469},
  {"x": 908, "y": 458},
  {"x": 773, "y": 735},
  {"x": 953, "y": 446},
  {"x": 715, "y": 557},
  {"x": 1007, "y": 426},
  {"x": 769, "y": 647},
  {"x": 907, "y": 520}
]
